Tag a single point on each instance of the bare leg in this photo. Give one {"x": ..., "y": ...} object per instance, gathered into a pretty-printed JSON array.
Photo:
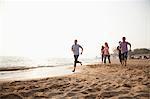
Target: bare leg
[
  {"x": 109, "y": 59},
  {"x": 125, "y": 57},
  {"x": 125, "y": 62},
  {"x": 76, "y": 61},
  {"x": 122, "y": 59},
  {"x": 102, "y": 58},
  {"x": 74, "y": 69},
  {"x": 79, "y": 62},
  {"x": 105, "y": 59}
]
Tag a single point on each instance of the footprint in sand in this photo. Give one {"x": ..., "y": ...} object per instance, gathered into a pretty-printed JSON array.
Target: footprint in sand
[
  {"x": 91, "y": 90},
  {"x": 54, "y": 94},
  {"x": 126, "y": 85},
  {"x": 75, "y": 90},
  {"x": 91, "y": 96},
  {"x": 43, "y": 90},
  {"x": 11, "y": 96},
  {"x": 26, "y": 93},
  {"x": 143, "y": 95},
  {"x": 31, "y": 92},
  {"x": 112, "y": 93},
  {"x": 109, "y": 94},
  {"x": 126, "y": 97},
  {"x": 80, "y": 87},
  {"x": 84, "y": 92},
  {"x": 93, "y": 85},
  {"x": 39, "y": 97},
  {"x": 71, "y": 94},
  {"x": 15, "y": 82},
  {"x": 140, "y": 88}
]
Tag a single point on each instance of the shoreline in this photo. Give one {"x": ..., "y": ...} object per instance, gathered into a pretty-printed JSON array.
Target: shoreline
[
  {"x": 95, "y": 81},
  {"x": 20, "y": 68},
  {"x": 35, "y": 74},
  {"x": 22, "y": 73}
]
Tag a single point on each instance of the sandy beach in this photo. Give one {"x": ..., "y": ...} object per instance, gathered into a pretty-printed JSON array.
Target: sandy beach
[{"x": 97, "y": 81}]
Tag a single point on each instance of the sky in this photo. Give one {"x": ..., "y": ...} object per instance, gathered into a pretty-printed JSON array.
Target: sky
[{"x": 48, "y": 28}]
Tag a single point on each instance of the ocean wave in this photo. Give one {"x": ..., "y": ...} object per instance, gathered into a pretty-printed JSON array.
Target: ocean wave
[{"x": 21, "y": 68}]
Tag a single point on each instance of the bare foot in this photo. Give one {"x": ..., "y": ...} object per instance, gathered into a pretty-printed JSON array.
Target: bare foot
[{"x": 73, "y": 71}]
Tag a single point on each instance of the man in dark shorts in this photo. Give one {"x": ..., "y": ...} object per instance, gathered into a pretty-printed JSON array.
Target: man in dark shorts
[
  {"x": 124, "y": 50},
  {"x": 75, "y": 50}
]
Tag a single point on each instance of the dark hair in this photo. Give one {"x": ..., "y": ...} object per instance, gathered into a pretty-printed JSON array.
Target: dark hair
[
  {"x": 124, "y": 38},
  {"x": 106, "y": 44},
  {"x": 102, "y": 47}
]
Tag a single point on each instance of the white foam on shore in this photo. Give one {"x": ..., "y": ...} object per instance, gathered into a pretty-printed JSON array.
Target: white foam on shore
[{"x": 37, "y": 73}]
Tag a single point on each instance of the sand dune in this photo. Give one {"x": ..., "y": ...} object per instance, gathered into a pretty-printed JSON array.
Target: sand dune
[{"x": 93, "y": 82}]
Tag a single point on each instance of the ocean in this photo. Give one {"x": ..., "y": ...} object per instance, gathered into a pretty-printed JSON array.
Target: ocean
[{"x": 22, "y": 68}]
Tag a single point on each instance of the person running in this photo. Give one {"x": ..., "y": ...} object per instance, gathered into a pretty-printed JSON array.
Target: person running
[
  {"x": 106, "y": 53},
  {"x": 102, "y": 53},
  {"x": 119, "y": 52},
  {"x": 124, "y": 50},
  {"x": 75, "y": 50}
]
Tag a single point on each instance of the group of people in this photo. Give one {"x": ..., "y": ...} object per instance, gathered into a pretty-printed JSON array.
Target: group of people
[{"x": 122, "y": 52}]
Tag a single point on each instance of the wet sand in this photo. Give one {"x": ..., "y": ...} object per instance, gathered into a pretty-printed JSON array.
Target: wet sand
[
  {"x": 34, "y": 73},
  {"x": 92, "y": 82}
]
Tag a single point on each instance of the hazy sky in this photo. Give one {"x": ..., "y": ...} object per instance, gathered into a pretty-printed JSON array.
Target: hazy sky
[{"x": 49, "y": 27}]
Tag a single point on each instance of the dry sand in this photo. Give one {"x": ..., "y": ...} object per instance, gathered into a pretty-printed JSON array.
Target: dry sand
[{"x": 93, "y": 82}]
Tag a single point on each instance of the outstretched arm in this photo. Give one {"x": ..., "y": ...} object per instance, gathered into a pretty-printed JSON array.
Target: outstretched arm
[
  {"x": 81, "y": 49},
  {"x": 118, "y": 48},
  {"x": 129, "y": 45}
]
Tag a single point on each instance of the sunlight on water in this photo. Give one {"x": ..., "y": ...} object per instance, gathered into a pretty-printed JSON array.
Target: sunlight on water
[
  {"x": 34, "y": 73},
  {"x": 31, "y": 68}
]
